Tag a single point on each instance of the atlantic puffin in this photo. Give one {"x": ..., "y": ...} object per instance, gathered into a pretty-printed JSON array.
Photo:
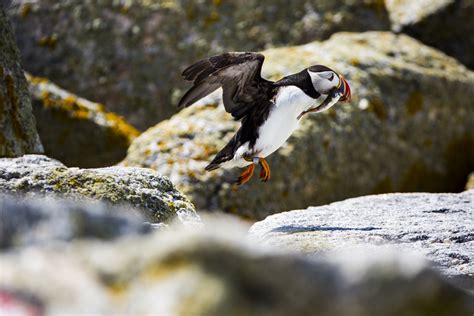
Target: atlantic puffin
[{"x": 269, "y": 111}]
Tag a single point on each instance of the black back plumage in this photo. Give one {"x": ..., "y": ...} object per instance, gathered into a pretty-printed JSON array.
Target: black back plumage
[
  {"x": 239, "y": 76},
  {"x": 302, "y": 80}
]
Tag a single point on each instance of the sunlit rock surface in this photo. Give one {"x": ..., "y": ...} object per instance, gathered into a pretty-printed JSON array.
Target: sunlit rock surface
[
  {"x": 78, "y": 132},
  {"x": 438, "y": 226},
  {"x": 154, "y": 195},
  {"x": 408, "y": 128},
  {"x": 216, "y": 271},
  {"x": 444, "y": 24}
]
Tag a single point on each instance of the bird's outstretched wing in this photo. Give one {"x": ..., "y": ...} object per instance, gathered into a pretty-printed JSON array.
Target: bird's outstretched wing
[{"x": 237, "y": 73}]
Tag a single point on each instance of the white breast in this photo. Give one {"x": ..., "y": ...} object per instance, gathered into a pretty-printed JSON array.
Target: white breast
[{"x": 282, "y": 121}]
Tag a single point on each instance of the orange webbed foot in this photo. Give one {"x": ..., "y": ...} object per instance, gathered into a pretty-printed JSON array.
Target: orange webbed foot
[
  {"x": 265, "y": 172},
  {"x": 246, "y": 175}
]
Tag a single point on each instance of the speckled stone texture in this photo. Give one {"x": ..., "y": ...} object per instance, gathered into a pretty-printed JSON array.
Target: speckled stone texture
[
  {"x": 408, "y": 128},
  {"x": 76, "y": 131},
  {"x": 128, "y": 55},
  {"x": 439, "y": 226},
  {"x": 444, "y": 24},
  {"x": 18, "y": 133},
  {"x": 215, "y": 272},
  {"x": 152, "y": 194}
]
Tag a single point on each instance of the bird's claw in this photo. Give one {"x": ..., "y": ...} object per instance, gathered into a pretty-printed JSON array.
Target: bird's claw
[
  {"x": 265, "y": 172},
  {"x": 245, "y": 175}
]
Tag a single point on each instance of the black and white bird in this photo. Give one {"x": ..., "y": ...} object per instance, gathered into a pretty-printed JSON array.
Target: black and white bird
[{"x": 269, "y": 111}]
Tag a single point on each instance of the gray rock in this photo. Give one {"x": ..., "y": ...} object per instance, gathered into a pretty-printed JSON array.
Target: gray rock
[
  {"x": 438, "y": 226},
  {"x": 408, "y": 128},
  {"x": 129, "y": 54},
  {"x": 78, "y": 132},
  {"x": 154, "y": 195},
  {"x": 210, "y": 273},
  {"x": 18, "y": 133},
  {"x": 444, "y": 24},
  {"x": 26, "y": 221}
]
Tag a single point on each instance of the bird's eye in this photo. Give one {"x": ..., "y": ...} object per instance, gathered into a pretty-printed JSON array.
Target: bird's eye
[{"x": 329, "y": 75}]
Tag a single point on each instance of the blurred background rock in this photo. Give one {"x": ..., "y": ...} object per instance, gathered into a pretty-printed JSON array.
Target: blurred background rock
[
  {"x": 129, "y": 55},
  {"x": 78, "y": 132},
  {"x": 219, "y": 271},
  {"x": 444, "y": 24},
  {"x": 42, "y": 220}
]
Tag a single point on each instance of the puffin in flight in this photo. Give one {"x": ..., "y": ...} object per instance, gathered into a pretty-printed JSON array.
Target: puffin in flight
[{"x": 269, "y": 111}]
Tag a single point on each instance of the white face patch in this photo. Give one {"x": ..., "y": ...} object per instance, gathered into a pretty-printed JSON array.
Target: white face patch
[{"x": 324, "y": 81}]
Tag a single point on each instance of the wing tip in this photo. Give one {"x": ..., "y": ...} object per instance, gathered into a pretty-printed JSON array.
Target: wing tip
[
  {"x": 180, "y": 105},
  {"x": 259, "y": 56},
  {"x": 196, "y": 93},
  {"x": 212, "y": 166},
  {"x": 191, "y": 72},
  {"x": 183, "y": 102}
]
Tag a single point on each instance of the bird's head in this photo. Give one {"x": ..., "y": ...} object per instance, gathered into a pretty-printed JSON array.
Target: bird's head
[{"x": 324, "y": 80}]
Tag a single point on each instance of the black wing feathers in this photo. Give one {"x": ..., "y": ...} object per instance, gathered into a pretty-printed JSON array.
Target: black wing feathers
[
  {"x": 192, "y": 71},
  {"x": 237, "y": 73},
  {"x": 245, "y": 94}
]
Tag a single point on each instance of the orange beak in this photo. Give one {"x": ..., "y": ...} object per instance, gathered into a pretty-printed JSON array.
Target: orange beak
[{"x": 346, "y": 91}]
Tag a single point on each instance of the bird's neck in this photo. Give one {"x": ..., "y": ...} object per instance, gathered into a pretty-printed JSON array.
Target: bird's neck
[
  {"x": 294, "y": 99},
  {"x": 301, "y": 80}
]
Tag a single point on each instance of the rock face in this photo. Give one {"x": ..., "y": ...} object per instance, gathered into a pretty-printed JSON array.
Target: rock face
[
  {"x": 18, "y": 134},
  {"x": 207, "y": 273},
  {"x": 409, "y": 128},
  {"x": 444, "y": 24},
  {"x": 76, "y": 131},
  {"x": 154, "y": 195},
  {"x": 438, "y": 226},
  {"x": 43, "y": 220},
  {"x": 128, "y": 54}
]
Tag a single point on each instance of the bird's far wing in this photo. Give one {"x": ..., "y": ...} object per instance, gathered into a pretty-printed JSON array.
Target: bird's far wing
[{"x": 237, "y": 73}]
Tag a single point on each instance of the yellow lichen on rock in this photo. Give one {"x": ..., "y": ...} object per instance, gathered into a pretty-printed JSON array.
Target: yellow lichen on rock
[
  {"x": 470, "y": 182},
  {"x": 414, "y": 103},
  {"x": 76, "y": 131}
]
